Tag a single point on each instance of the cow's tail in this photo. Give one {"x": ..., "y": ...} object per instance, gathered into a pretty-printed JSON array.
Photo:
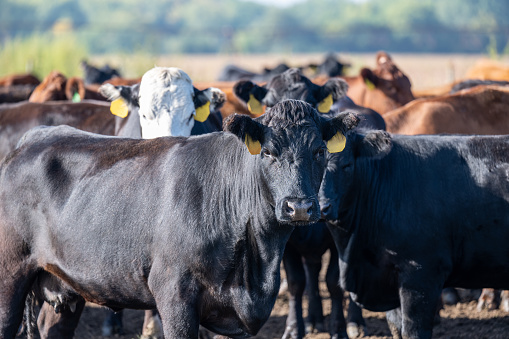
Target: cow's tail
[{"x": 30, "y": 319}]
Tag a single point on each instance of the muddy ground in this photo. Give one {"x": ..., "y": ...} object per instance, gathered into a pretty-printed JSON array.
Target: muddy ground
[{"x": 458, "y": 321}]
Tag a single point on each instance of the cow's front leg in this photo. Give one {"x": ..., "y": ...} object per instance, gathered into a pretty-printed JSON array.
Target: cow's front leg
[
  {"x": 395, "y": 322},
  {"x": 177, "y": 303},
  {"x": 419, "y": 300},
  {"x": 296, "y": 285}
]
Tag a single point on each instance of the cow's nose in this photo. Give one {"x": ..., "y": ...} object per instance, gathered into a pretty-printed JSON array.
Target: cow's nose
[
  {"x": 298, "y": 210},
  {"x": 325, "y": 209}
]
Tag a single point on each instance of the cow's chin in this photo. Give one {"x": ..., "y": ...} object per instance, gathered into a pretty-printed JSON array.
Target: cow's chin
[{"x": 288, "y": 221}]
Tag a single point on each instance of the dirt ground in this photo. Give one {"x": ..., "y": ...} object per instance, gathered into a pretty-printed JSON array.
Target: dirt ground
[{"x": 458, "y": 321}]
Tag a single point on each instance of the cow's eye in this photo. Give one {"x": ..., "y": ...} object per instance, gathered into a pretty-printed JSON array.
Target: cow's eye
[
  {"x": 320, "y": 153},
  {"x": 268, "y": 154}
]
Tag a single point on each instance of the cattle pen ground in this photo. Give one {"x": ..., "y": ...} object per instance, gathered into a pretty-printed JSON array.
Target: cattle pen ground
[
  {"x": 424, "y": 71},
  {"x": 458, "y": 321}
]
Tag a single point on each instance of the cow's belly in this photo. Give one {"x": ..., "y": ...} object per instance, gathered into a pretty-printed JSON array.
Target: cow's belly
[{"x": 115, "y": 289}]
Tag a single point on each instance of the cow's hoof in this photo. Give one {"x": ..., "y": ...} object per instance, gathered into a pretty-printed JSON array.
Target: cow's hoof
[
  {"x": 318, "y": 327},
  {"x": 153, "y": 329},
  {"x": 291, "y": 332},
  {"x": 356, "y": 331}
]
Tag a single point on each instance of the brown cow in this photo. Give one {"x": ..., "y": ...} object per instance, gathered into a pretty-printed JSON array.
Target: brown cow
[
  {"x": 16, "y": 119},
  {"x": 485, "y": 69},
  {"x": 19, "y": 79},
  {"x": 118, "y": 81},
  {"x": 382, "y": 89},
  {"x": 479, "y": 110},
  {"x": 57, "y": 87}
]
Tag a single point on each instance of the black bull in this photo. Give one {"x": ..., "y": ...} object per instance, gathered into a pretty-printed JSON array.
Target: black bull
[
  {"x": 413, "y": 214},
  {"x": 194, "y": 227}
]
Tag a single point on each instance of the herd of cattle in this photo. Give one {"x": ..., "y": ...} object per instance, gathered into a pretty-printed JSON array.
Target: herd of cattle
[{"x": 151, "y": 194}]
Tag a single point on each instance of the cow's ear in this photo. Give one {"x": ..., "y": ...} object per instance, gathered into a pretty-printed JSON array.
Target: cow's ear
[
  {"x": 335, "y": 129},
  {"x": 207, "y": 100},
  {"x": 75, "y": 89},
  {"x": 251, "y": 94},
  {"x": 123, "y": 98},
  {"x": 375, "y": 144},
  {"x": 370, "y": 78},
  {"x": 251, "y": 132},
  {"x": 332, "y": 91}
]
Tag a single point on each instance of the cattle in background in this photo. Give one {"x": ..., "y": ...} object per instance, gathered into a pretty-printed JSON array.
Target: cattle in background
[
  {"x": 293, "y": 85},
  {"x": 117, "y": 81},
  {"x": 19, "y": 79},
  {"x": 479, "y": 110},
  {"x": 15, "y": 93},
  {"x": 411, "y": 215},
  {"x": 16, "y": 119},
  {"x": 382, "y": 89},
  {"x": 330, "y": 67},
  {"x": 232, "y": 103},
  {"x": 236, "y": 73},
  {"x": 216, "y": 263},
  {"x": 485, "y": 69},
  {"x": 305, "y": 248},
  {"x": 93, "y": 75},
  {"x": 465, "y": 84},
  {"x": 56, "y": 86}
]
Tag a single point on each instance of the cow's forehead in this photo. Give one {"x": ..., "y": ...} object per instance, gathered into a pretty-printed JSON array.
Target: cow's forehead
[{"x": 295, "y": 137}]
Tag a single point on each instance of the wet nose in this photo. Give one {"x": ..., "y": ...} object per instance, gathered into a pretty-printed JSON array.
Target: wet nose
[
  {"x": 298, "y": 210},
  {"x": 325, "y": 209}
]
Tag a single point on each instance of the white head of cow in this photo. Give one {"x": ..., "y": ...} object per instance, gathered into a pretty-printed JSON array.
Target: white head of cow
[{"x": 166, "y": 103}]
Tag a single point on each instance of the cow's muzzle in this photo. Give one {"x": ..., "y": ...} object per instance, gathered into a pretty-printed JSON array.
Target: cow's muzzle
[{"x": 300, "y": 210}]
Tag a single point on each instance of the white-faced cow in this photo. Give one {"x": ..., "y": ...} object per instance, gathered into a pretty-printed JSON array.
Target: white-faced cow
[
  {"x": 411, "y": 215},
  {"x": 195, "y": 227}
]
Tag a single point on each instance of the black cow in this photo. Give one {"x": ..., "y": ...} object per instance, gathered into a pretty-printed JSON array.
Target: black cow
[
  {"x": 94, "y": 75},
  {"x": 63, "y": 323},
  {"x": 236, "y": 73},
  {"x": 303, "y": 255},
  {"x": 291, "y": 84},
  {"x": 195, "y": 227},
  {"x": 15, "y": 93},
  {"x": 331, "y": 66},
  {"x": 413, "y": 214},
  {"x": 475, "y": 82}
]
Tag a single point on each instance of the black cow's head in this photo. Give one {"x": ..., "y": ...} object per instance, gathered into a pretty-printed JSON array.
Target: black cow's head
[
  {"x": 291, "y": 142},
  {"x": 339, "y": 180},
  {"x": 290, "y": 85}
]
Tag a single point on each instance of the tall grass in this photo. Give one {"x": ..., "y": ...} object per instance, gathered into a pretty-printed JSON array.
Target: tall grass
[{"x": 42, "y": 53}]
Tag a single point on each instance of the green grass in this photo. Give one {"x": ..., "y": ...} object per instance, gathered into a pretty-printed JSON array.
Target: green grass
[{"x": 41, "y": 53}]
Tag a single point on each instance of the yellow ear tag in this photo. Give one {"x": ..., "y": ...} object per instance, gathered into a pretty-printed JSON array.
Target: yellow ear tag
[
  {"x": 369, "y": 84},
  {"x": 254, "y": 105},
  {"x": 337, "y": 143},
  {"x": 118, "y": 107},
  {"x": 254, "y": 147},
  {"x": 202, "y": 112},
  {"x": 325, "y": 105}
]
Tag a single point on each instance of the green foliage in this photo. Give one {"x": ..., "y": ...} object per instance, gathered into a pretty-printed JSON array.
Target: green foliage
[
  {"x": 42, "y": 53},
  {"x": 233, "y": 26}
]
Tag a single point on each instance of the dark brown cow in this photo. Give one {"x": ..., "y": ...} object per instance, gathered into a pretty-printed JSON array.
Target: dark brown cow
[
  {"x": 57, "y": 87},
  {"x": 19, "y": 79},
  {"x": 480, "y": 110},
  {"x": 16, "y": 119},
  {"x": 15, "y": 93},
  {"x": 382, "y": 89}
]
